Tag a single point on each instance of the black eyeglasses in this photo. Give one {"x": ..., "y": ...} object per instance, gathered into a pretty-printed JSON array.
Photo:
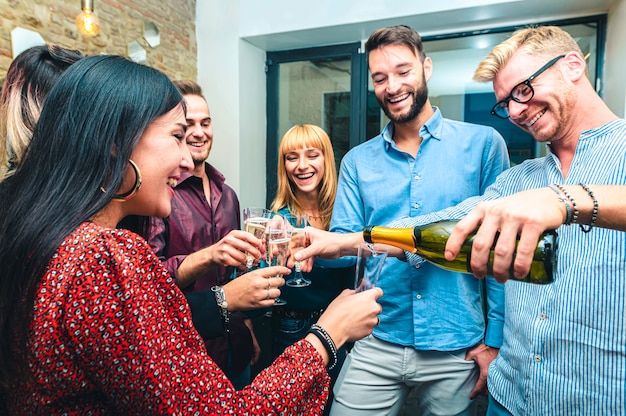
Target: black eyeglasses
[{"x": 521, "y": 93}]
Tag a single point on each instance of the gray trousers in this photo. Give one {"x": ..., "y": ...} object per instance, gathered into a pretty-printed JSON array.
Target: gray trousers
[{"x": 377, "y": 376}]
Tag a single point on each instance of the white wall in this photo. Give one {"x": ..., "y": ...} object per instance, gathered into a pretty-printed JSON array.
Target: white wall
[
  {"x": 614, "y": 90},
  {"x": 232, "y": 71},
  {"x": 232, "y": 75}
]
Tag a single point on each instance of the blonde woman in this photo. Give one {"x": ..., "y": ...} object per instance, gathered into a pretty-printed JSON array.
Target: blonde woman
[{"x": 307, "y": 184}]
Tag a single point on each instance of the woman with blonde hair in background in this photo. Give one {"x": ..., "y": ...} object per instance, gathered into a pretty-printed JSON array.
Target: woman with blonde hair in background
[
  {"x": 29, "y": 78},
  {"x": 307, "y": 185}
]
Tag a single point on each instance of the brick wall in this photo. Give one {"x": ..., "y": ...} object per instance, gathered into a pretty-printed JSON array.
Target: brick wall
[{"x": 121, "y": 22}]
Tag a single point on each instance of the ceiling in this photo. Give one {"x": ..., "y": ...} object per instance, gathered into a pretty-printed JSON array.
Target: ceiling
[
  {"x": 454, "y": 59},
  {"x": 493, "y": 15}
]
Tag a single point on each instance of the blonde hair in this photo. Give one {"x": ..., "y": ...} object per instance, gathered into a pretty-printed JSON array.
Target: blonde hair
[
  {"x": 299, "y": 137},
  {"x": 16, "y": 127},
  {"x": 548, "y": 41},
  {"x": 29, "y": 78}
]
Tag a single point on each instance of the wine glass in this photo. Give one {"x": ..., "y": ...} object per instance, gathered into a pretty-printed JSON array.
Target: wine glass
[
  {"x": 278, "y": 249},
  {"x": 297, "y": 242},
  {"x": 369, "y": 263},
  {"x": 255, "y": 222}
]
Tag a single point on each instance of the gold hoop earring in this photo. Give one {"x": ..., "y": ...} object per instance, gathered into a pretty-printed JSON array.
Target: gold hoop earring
[{"x": 128, "y": 195}]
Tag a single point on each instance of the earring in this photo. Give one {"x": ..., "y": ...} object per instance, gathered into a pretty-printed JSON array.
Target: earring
[{"x": 128, "y": 195}]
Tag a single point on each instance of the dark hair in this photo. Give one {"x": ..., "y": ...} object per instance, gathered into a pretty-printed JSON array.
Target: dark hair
[
  {"x": 401, "y": 34},
  {"x": 90, "y": 124},
  {"x": 29, "y": 78}
]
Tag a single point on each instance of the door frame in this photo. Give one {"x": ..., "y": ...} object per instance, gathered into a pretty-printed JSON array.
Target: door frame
[{"x": 358, "y": 97}]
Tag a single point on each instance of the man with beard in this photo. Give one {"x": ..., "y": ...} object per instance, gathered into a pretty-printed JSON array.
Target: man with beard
[
  {"x": 432, "y": 334},
  {"x": 201, "y": 243}
]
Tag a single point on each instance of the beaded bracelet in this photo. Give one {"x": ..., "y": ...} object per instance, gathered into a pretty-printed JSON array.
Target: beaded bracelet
[
  {"x": 569, "y": 196},
  {"x": 327, "y": 342},
  {"x": 594, "y": 213},
  {"x": 569, "y": 217}
]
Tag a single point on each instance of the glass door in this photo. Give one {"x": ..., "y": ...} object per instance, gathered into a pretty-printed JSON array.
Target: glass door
[{"x": 324, "y": 86}]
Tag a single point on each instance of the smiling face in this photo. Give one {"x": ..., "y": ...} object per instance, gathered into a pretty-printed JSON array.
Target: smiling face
[
  {"x": 161, "y": 155},
  {"x": 546, "y": 115},
  {"x": 399, "y": 79},
  {"x": 305, "y": 169},
  {"x": 199, "y": 128}
]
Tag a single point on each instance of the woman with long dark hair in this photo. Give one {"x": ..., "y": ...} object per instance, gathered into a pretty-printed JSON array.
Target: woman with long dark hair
[{"x": 90, "y": 321}]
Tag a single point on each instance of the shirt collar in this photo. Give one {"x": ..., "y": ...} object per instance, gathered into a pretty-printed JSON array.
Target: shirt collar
[
  {"x": 215, "y": 176},
  {"x": 431, "y": 129}
]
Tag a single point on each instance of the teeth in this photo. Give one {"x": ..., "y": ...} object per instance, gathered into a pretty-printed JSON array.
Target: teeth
[
  {"x": 172, "y": 182},
  {"x": 534, "y": 119},
  {"x": 307, "y": 176},
  {"x": 395, "y": 100}
]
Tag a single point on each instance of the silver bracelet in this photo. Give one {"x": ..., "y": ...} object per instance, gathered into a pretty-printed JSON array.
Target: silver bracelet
[
  {"x": 569, "y": 216},
  {"x": 594, "y": 213}
]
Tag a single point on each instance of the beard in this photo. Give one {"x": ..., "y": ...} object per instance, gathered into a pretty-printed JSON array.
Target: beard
[
  {"x": 420, "y": 96},
  {"x": 197, "y": 162},
  {"x": 199, "y": 158}
]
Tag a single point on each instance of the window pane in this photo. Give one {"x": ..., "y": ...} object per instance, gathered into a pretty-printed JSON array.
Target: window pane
[
  {"x": 317, "y": 92},
  {"x": 452, "y": 89}
]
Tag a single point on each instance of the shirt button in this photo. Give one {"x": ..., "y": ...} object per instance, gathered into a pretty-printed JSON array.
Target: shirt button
[
  {"x": 543, "y": 316},
  {"x": 416, "y": 206},
  {"x": 417, "y": 266},
  {"x": 537, "y": 358},
  {"x": 416, "y": 177},
  {"x": 419, "y": 296}
]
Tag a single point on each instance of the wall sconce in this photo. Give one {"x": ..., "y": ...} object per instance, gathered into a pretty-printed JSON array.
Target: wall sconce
[{"x": 87, "y": 23}]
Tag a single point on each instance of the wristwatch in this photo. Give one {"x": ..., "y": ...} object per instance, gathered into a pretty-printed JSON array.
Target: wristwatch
[{"x": 220, "y": 297}]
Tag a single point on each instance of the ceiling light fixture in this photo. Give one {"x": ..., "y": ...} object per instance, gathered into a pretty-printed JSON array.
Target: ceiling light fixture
[{"x": 87, "y": 23}]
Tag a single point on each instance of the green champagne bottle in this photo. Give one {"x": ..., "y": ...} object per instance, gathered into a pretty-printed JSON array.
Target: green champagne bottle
[{"x": 429, "y": 242}]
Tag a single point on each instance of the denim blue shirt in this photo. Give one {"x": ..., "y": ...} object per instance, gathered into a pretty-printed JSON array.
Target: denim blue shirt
[
  {"x": 424, "y": 306},
  {"x": 564, "y": 350}
]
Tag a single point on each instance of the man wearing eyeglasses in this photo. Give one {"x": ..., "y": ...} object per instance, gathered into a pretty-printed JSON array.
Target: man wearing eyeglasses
[{"x": 564, "y": 349}]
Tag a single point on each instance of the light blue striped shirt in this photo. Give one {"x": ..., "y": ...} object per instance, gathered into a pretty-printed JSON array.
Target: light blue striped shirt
[
  {"x": 427, "y": 308},
  {"x": 564, "y": 350}
]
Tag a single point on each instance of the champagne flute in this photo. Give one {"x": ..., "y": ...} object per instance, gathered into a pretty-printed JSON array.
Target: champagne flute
[
  {"x": 296, "y": 243},
  {"x": 255, "y": 222},
  {"x": 278, "y": 250},
  {"x": 369, "y": 263}
]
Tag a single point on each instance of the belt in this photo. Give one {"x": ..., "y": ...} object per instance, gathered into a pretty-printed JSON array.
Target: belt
[{"x": 296, "y": 314}]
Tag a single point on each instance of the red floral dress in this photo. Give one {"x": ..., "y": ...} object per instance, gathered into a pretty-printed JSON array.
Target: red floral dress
[{"x": 112, "y": 334}]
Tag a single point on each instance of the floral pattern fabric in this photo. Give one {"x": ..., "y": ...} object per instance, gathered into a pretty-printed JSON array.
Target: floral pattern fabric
[{"x": 112, "y": 334}]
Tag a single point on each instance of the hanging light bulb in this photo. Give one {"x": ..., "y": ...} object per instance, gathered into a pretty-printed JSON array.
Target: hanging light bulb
[{"x": 87, "y": 23}]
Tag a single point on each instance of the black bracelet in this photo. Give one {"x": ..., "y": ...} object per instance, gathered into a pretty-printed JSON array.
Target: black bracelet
[
  {"x": 569, "y": 217},
  {"x": 327, "y": 342},
  {"x": 567, "y": 194},
  {"x": 594, "y": 213}
]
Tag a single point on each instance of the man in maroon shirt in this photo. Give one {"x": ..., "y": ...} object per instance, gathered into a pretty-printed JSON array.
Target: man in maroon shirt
[{"x": 201, "y": 242}]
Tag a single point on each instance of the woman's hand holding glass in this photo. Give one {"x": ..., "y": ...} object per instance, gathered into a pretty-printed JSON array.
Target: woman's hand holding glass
[{"x": 255, "y": 289}]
